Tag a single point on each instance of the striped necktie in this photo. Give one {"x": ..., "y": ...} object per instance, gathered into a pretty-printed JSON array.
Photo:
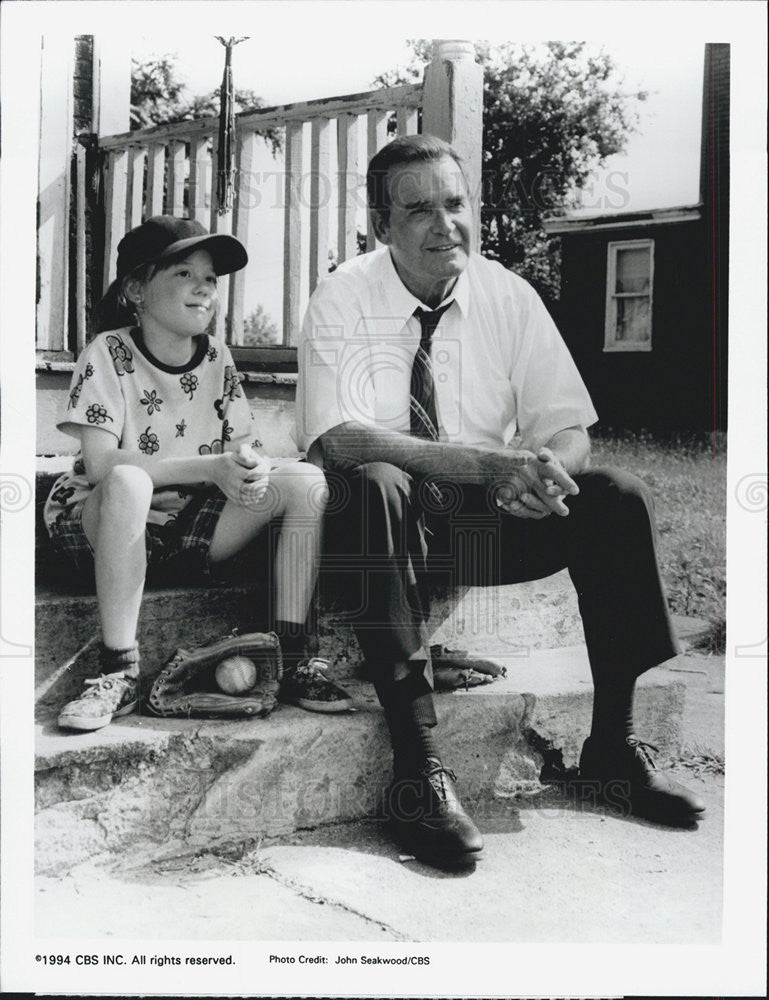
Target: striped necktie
[{"x": 424, "y": 417}]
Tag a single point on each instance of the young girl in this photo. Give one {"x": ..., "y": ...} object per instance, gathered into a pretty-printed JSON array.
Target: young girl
[{"x": 166, "y": 475}]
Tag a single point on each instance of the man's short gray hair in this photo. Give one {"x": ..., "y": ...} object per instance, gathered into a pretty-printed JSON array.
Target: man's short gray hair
[{"x": 405, "y": 149}]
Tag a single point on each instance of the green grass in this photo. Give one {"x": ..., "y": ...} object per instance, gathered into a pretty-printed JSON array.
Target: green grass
[{"x": 687, "y": 475}]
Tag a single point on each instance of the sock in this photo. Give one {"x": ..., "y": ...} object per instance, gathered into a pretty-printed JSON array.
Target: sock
[
  {"x": 293, "y": 642},
  {"x": 413, "y": 745},
  {"x": 114, "y": 660},
  {"x": 410, "y": 717},
  {"x": 613, "y": 710}
]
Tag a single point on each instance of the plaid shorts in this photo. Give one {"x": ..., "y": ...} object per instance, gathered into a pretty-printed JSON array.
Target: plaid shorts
[{"x": 179, "y": 545}]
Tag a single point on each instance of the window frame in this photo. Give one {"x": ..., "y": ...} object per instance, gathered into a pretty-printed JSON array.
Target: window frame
[{"x": 610, "y": 343}]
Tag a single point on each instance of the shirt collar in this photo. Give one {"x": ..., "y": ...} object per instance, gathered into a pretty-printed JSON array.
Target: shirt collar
[{"x": 403, "y": 303}]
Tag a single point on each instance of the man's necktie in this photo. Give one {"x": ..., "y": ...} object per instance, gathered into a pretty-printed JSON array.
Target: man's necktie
[{"x": 424, "y": 417}]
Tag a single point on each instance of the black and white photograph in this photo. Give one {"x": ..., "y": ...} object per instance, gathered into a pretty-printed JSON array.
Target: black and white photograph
[{"x": 384, "y": 498}]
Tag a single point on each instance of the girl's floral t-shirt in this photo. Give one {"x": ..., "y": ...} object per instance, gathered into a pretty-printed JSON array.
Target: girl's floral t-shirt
[{"x": 197, "y": 409}]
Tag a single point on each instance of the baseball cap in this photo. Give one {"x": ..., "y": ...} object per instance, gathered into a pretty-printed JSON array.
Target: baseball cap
[{"x": 164, "y": 236}]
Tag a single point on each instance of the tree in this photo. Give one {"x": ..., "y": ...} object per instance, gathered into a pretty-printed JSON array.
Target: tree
[
  {"x": 259, "y": 330},
  {"x": 156, "y": 92},
  {"x": 159, "y": 97},
  {"x": 552, "y": 114}
]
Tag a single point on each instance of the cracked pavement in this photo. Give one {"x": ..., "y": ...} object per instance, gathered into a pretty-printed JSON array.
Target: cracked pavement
[{"x": 551, "y": 871}]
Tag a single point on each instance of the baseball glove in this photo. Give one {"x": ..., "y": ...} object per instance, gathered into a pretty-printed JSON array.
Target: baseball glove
[
  {"x": 453, "y": 669},
  {"x": 187, "y": 686}
]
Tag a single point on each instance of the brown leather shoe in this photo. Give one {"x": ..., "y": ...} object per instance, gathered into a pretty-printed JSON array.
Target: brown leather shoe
[
  {"x": 625, "y": 778},
  {"x": 428, "y": 819}
]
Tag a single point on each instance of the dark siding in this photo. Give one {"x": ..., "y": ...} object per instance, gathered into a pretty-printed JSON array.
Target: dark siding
[
  {"x": 682, "y": 383},
  {"x": 82, "y": 84},
  {"x": 714, "y": 188},
  {"x": 670, "y": 387},
  {"x": 83, "y": 125}
]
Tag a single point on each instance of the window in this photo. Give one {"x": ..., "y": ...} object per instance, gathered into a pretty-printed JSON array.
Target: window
[{"x": 630, "y": 274}]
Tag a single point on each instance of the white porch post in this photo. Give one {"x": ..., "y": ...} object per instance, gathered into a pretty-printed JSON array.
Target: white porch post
[
  {"x": 453, "y": 109},
  {"x": 110, "y": 113},
  {"x": 57, "y": 57}
]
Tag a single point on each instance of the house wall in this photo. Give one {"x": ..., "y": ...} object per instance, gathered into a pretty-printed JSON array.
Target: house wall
[
  {"x": 271, "y": 404},
  {"x": 670, "y": 387},
  {"x": 714, "y": 192}
]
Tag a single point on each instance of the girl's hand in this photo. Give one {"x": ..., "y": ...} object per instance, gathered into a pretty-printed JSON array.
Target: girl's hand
[
  {"x": 246, "y": 456},
  {"x": 255, "y": 483},
  {"x": 230, "y": 475}
]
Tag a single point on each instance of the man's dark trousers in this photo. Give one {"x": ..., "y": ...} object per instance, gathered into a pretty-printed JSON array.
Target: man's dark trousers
[{"x": 389, "y": 537}]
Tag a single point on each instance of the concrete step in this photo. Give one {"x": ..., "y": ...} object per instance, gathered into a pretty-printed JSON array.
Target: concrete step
[
  {"x": 142, "y": 784},
  {"x": 170, "y": 617},
  {"x": 495, "y": 620}
]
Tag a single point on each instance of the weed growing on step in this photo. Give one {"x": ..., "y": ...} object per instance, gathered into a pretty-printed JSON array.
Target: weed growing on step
[
  {"x": 699, "y": 760},
  {"x": 243, "y": 857}
]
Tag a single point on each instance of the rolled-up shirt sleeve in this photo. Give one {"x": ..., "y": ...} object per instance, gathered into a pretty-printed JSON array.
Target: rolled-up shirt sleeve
[
  {"x": 335, "y": 378},
  {"x": 549, "y": 392}
]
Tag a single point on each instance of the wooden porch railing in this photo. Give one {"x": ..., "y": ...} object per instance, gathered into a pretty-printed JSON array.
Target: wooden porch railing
[
  {"x": 184, "y": 156},
  {"x": 172, "y": 169}
]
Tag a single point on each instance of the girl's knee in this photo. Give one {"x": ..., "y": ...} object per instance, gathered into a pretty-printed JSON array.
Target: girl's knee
[
  {"x": 301, "y": 484},
  {"x": 126, "y": 488}
]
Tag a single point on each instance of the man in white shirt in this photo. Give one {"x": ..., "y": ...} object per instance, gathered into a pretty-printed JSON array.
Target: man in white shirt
[{"x": 437, "y": 393}]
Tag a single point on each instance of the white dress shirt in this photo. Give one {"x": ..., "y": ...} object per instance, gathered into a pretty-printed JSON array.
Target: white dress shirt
[{"x": 499, "y": 363}]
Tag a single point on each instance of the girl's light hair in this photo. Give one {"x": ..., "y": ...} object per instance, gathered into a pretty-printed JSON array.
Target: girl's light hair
[{"x": 115, "y": 309}]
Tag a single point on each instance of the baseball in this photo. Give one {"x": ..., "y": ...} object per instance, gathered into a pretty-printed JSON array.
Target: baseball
[{"x": 236, "y": 675}]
